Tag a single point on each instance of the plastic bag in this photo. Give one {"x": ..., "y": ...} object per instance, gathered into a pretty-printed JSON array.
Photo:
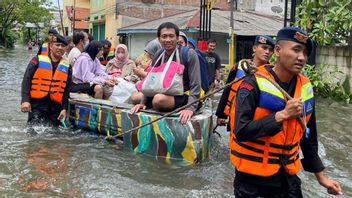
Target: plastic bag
[{"x": 122, "y": 91}]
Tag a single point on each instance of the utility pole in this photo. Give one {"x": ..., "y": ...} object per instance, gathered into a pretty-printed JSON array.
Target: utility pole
[
  {"x": 232, "y": 37},
  {"x": 74, "y": 16},
  {"x": 62, "y": 25}
]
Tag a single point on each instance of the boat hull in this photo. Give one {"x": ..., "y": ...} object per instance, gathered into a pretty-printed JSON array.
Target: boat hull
[{"x": 166, "y": 140}]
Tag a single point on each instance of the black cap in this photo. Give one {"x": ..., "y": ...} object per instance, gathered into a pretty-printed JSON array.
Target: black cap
[
  {"x": 59, "y": 39},
  {"x": 265, "y": 40},
  {"x": 53, "y": 31},
  {"x": 297, "y": 35},
  {"x": 107, "y": 42}
]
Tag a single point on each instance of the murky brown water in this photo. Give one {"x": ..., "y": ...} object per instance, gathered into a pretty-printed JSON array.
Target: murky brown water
[{"x": 80, "y": 164}]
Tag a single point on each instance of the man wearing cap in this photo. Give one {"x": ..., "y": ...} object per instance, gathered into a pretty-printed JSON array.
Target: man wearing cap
[
  {"x": 263, "y": 48},
  {"x": 45, "y": 85},
  {"x": 108, "y": 53},
  {"x": 44, "y": 48},
  {"x": 268, "y": 128}
]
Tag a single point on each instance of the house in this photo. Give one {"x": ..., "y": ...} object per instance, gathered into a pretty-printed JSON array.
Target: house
[
  {"x": 75, "y": 16},
  {"x": 247, "y": 25}
]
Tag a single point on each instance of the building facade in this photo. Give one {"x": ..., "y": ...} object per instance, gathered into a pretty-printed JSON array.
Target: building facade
[{"x": 75, "y": 15}]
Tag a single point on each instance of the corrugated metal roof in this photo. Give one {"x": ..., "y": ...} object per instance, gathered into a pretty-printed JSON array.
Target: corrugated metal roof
[{"x": 245, "y": 23}]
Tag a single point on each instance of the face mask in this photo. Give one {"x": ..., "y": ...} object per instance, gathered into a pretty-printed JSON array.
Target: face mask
[
  {"x": 86, "y": 43},
  {"x": 120, "y": 56}
]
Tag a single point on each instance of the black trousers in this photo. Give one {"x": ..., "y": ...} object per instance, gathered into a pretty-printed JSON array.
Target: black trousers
[
  {"x": 43, "y": 117},
  {"x": 289, "y": 189}
]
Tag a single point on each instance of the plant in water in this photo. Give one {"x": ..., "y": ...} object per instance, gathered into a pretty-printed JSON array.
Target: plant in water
[{"x": 326, "y": 82}]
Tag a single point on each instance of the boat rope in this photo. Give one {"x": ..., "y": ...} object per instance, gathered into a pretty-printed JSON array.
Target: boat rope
[
  {"x": 215, "y": 131},
  {"x": 300, "y": 120},
  {"x": 180, "y": 108}
]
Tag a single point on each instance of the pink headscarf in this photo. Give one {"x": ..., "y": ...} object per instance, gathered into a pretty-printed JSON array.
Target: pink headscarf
[{"x": 120, "y": 61}]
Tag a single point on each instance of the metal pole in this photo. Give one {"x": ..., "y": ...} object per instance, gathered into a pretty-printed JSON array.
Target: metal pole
[
  {"x": 206, "y": 24},
  {"x": 209, "y": 24},
  {"x": 74, "y": 16},
  {"x": 62, "y": 25},
  {"x": 293, "y": 12},
  {"x": 203, "y": 22},
  {"x": 285, "y": 13},
  {"x": 232, "y": 37},
  {"x": 200, "y": 19}
]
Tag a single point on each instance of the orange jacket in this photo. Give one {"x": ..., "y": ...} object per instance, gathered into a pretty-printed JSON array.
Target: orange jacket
[
  {"x": 264, "y": 156},
  {"x": 44, "y": 82}
]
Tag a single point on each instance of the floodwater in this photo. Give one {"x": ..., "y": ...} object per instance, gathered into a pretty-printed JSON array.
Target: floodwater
[{"x": 80, "y": 164}]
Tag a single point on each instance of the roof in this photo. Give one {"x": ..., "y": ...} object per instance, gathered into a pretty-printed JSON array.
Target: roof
[
  {"x": 246, "y": 23},
  {"x": 151, "y": 26}
]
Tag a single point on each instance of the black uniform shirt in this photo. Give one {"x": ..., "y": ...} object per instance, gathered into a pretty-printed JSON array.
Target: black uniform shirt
[
  {"x": 44, "y": 103},
  {"x": 248, "y": 129}
]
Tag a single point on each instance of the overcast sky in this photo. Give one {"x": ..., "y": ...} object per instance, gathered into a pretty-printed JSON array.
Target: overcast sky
[{"x": 55, "y": 3}]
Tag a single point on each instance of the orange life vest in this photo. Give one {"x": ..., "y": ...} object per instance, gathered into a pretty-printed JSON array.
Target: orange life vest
[
  {"x": 45, "y": 49},
  {"x": 111, "y": 55},
  {"x": 264, "y": 156},
  {"x": 44, "y": 82},
  {"x": 239, "y": 73}
]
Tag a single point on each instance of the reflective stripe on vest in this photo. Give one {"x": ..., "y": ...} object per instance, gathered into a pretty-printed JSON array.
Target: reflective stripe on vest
[
  {"x": 44, "y": 83},
  {"x": 264, "y": 156},
  {"x": 104, "y": 61},
  {"x": 45, "y": 49}
]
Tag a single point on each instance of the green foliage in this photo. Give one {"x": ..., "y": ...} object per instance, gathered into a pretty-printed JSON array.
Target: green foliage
[
  {"x": 330, "y": 21},
  {"x": 10, "y": 38},
  {"x": 324, "y": 79},
  {"x": 14, "y": 13}
]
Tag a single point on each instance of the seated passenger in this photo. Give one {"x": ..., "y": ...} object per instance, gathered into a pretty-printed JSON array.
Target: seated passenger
[
  {"x": 120, "y": 67},
  {"x": 168, "y": 35},
  {"x": 108, "y": 53},
  {"x": 143, "y": 62},
  {"x": 88, "y": 76}
]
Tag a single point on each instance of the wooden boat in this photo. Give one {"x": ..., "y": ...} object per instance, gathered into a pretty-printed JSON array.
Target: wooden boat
[{"x": 165, "y": 140}]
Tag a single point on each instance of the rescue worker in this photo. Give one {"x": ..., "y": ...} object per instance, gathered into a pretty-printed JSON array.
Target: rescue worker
[
  {"x": 45, "y": 85},
  {"x": 263, "y": 49},
  {"x": 268, "y": 128},
  {"x": 44, "y": 48},
  {"x": 108, "y": 53}
]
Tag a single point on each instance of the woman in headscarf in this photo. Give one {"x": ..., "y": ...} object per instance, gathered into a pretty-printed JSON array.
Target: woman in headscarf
[
  {"x": 88, "y": 75},
  {"x": 121, "y": 65}
]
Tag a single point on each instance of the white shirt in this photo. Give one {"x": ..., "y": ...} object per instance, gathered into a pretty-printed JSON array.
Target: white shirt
[{"x": 73, "y": 55}]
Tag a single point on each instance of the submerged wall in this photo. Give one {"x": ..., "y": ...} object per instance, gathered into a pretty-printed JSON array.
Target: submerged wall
[{"x": 340, "y": 56}]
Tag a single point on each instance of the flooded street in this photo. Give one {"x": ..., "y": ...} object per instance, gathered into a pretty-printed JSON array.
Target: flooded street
[{"x": 81, "y": 164}]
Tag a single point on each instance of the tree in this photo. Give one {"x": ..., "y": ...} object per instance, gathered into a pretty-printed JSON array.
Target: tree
[
  {"x": 18, "y": 12},
  {"x": 328, "y": 21}
]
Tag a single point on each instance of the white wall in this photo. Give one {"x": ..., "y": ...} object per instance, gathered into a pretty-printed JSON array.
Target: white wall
[
  {"x": 136, "y": 43},
  {"x": 264, "y": 6}
]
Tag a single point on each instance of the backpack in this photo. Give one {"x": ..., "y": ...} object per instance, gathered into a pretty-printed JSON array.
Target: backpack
[{"x": 203, "y": 63}]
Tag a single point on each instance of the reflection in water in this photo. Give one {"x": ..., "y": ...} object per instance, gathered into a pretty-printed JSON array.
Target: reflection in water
[
  {"x": 77, "y": 164},
  {"x": 48, "y": 169}
]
